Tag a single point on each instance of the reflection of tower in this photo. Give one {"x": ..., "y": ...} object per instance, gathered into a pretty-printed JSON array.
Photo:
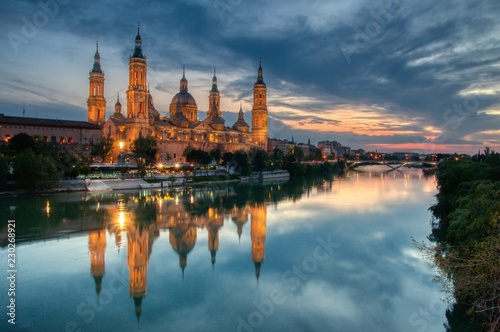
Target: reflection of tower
[
  {"x": 118, "y": 226},
  {"x": 239, "y": 216},
  {"x": 258, "y": 214},
  {"x": 182, "y": 239},
  {"x": 138, "y": 260},
  {"x": 215, "y": 222},
  {"x": 97, "y": 246}
]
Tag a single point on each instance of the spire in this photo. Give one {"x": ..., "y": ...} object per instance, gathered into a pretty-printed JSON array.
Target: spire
[
  {"x": 257, "y": 272},
  {"x": 138, "y": 44},
  {"x": 118, "y": 106},
  {"x": 97, "y": 60},
  {"x": 260, "y": 78},
  {"x": 184, "y": 82},
  {"x": 214, "y": 83},
  {"x": 241, "y": 125},
  {"x": 138, "y": 307},
  {"x": 138, "y": 39},
  {"x": 240, "y": 113}
]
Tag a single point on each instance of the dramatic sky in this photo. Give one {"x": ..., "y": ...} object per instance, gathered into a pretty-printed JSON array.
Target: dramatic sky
[{"x": 392, "y": 75}]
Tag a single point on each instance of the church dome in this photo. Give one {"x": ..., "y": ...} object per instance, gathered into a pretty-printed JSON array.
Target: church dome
[
  {"x": 183, "y": 102},
  {"x": 241, "y": 125},
  {"x": 183, "y": 98}
]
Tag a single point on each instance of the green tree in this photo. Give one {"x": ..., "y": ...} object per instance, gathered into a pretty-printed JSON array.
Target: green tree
[
  {"x": 21, "y": 142},
  {"x": 4, "y": 169},
  {"x": 103, "y": 148},
  {"x": 297, "y": 152},
  {"x": 197, "y": 156},
  {"x": 49, "y": 149},
  {"x": 258, "y": 158},
  {"x": 227, "y": 157},
  {"x": 145, "y": 151},
  {"x": 277, "y": 158},
  {"x": 33, "y": 172},
  {"x": 216, "y": 153},
  {"x": 241, "y": 163},
  {"x": 467, "y": 233}
]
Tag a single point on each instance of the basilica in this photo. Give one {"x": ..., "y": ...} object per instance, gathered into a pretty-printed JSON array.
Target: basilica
[{"x": 181, "y": 126}]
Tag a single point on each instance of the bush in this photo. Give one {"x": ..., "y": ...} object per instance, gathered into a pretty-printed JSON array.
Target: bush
[{"x": 34, "y": 172}]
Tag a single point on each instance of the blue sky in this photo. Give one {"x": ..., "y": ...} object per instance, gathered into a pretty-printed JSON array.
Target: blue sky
[{"x": 390, "y": 75}]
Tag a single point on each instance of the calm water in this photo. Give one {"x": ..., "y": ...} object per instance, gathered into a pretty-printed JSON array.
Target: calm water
[{"x": 315, "y": 256}]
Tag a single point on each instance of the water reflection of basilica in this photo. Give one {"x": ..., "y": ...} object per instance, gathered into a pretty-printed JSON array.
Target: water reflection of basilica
[{"x": 142, "y": 217}]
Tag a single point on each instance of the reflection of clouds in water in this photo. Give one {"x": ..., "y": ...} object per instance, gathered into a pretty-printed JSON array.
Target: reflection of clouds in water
[
  {"x": 374, "y": 280},
  {"x": 359, "y": 196}
]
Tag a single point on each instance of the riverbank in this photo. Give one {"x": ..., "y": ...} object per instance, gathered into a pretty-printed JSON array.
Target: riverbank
[
  {"x": 96, "y": 185},
  {"x": 466, "y": 233}
]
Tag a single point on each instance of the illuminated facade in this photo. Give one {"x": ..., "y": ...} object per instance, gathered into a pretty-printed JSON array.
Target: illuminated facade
[
  {"x": 181, "y": 127},
  {"x": 96, "y": 103}
]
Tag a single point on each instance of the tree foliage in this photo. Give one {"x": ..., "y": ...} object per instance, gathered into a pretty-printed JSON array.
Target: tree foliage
[
  {"x": 467, "y": 233},
  {"x": 258, "y": 158},
  {"x": 3, "y": 172},
  {"x": 102, "y": 148},
  {"x": 216, "y": 153},
  {"x": 145, "y": 148},
  {"x": 35, "y": 172},
  {"x": 197, "y": 156},
  {"x": 21, "y": 142},
  {"x": 241, "y": 162}
]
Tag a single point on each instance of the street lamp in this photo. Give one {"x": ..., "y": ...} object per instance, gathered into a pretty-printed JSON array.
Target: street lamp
[{"x": 120, "y": 157}]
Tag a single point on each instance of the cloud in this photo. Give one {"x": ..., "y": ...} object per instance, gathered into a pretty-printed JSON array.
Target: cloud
[{"x": 411, "y": 62}]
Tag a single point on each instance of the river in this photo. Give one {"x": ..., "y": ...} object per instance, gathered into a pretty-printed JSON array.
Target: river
[{"x": 309, "y": 255}]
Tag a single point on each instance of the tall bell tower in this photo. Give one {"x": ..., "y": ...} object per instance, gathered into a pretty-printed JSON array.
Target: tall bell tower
[
  {"x": 137, "y": 93},
  {"x": 214, "y": 100},
  {"x": 96, "y": 103},
  {"x": 259, "y": 111}
]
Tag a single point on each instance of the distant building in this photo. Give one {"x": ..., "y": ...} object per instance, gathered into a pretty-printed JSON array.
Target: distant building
[
  {"x": 282, "y": 145},
  {"x": 65, "y": 132},
  {"x": 327, "y": 152},
  {"x": 359, "y": 152},
  {"x": 406, "y": 155}
]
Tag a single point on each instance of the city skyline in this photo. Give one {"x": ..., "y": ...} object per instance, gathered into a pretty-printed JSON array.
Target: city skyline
[{"x": 385, "y": 75}]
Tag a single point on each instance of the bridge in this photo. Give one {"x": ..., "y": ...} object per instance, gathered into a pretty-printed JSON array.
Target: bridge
[{"x": 392, "y": 164}]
